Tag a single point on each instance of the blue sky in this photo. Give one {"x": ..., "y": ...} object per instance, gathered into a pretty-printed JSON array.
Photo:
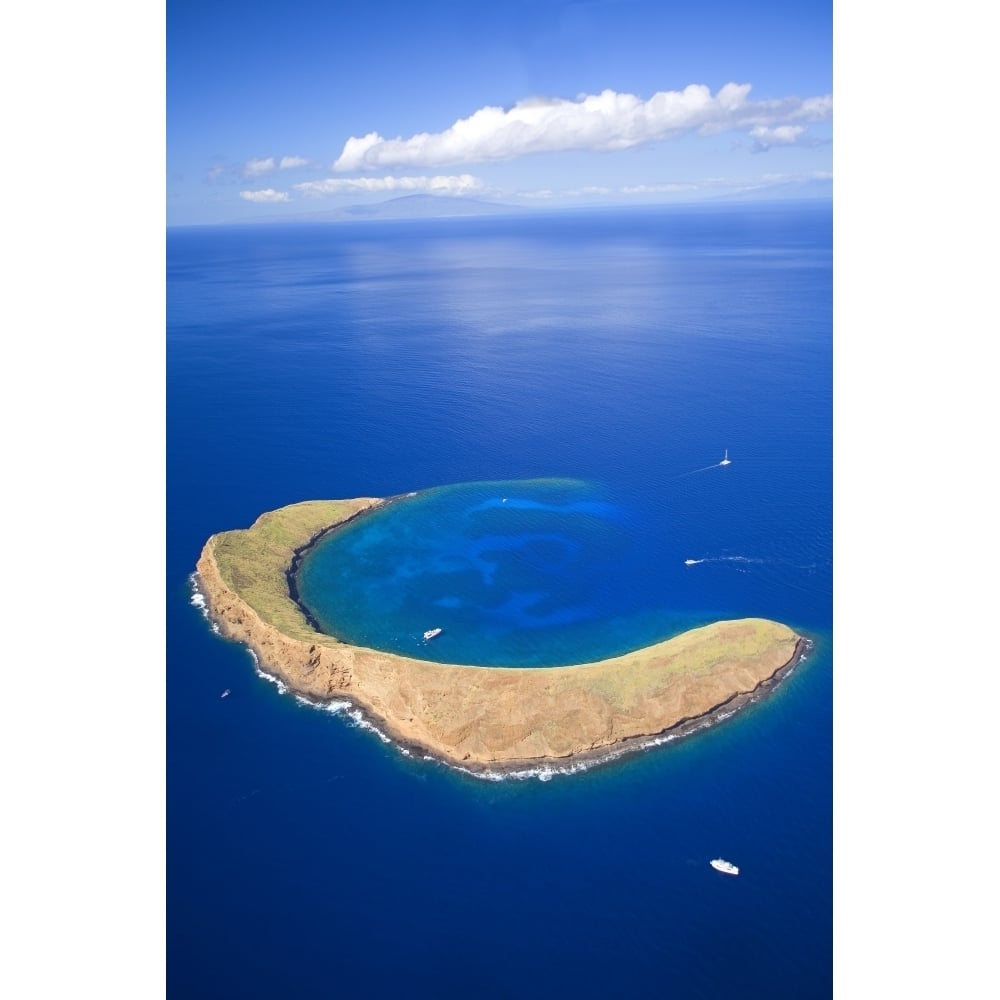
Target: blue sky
[{"x": 275, "y": 111}]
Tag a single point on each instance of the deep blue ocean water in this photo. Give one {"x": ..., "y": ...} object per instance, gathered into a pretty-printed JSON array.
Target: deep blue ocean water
[{"x": 559, "y": 391}]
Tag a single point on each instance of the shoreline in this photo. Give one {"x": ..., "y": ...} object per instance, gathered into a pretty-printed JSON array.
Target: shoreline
[
  {"x": 487, "y": 721},
  {"x": 584, "y": 760},
  {"x": 291, "y": 574}
]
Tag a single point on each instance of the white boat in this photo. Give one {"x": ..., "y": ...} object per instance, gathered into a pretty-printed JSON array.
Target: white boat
[
  {"x": 225, "y": 694},
  {"x": 724, "y": 866},
  {"x": 725, "y": 459},
  {"x": 432, "y": 632}
]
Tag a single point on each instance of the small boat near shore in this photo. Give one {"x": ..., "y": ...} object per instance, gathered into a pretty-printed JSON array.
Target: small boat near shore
[
  {"x": 432, "y": 633},
  {"x": 727, "y": 867}
]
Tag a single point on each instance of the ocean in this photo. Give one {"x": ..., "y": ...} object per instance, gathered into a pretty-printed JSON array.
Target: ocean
[{"x": 559, "y": 391}]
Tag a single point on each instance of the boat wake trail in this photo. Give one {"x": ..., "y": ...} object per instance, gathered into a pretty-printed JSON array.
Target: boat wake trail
[
  {"x": 695, "y": 471},
  {"x": 726, "y": 460},
  {"x": 767, "y": 577},
  {"x": 736, "y": 559}
]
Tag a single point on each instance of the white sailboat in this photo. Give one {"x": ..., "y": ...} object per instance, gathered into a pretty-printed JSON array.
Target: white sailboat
[{"x": 725, "y": 460}]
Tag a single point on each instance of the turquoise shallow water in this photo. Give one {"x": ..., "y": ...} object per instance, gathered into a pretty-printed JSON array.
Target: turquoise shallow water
[
  {"x": 591, "y": 368},
  {"x": 515, "y": 573}
]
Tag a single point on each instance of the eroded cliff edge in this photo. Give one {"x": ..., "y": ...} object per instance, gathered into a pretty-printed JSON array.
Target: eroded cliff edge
[{"x": 479, "y": 717}]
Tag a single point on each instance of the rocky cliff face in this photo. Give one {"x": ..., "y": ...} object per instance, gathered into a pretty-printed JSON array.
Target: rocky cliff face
[{"x": 317, "y": 671}]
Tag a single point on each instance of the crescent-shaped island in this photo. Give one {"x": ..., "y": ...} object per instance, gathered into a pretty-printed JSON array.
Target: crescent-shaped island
[{"x": 483, "y": 719}]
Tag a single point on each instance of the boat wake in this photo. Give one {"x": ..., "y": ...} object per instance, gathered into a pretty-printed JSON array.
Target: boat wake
[
  {"x": 694, "y": 471},
  {"x": 715, "y": 559},
  {"x": 726, "y": 460},
  {"x": 743, "y": 564}
]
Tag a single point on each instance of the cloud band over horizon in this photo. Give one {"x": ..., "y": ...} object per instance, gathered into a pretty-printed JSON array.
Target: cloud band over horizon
[
  {"x": 457, "y": 184},
  {"x": 602, "y": 122}
]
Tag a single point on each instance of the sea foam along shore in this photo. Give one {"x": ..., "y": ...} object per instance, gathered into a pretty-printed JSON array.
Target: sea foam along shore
[{"x": 483, "y": 719}]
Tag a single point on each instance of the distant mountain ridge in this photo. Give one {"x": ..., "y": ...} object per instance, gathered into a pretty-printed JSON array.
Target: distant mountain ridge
[
  {"x": 409, "y": 206},
  {"x": 429, "y": 206},
  {"x": 440, "y": 206}
]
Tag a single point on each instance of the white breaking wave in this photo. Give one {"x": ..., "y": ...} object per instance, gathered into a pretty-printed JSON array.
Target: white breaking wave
[
  {"x": 356, "y": 716},
  {"x": 333, "y": 707},
  {"x": 544, "y": 772},
  {"x": 359, "y": 720},
  {"x": 276, "y": 681},
  {"x": 198, "y": 600}
]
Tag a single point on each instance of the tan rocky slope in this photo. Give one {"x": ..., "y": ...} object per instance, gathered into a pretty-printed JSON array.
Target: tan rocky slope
[{"x": 478, "y": 716}]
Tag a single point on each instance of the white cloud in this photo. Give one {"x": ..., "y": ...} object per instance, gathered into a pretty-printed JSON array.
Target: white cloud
[
  {"x": 267, "y": 195},
  {"x": 267, "y": 165},
  {"x": 254, "y": 168},
  {"x": 603, "y": 122},
  {"x": 665, "y": 188},
  {"x": 781, "y": 135},
  {"x": 460, "y": 184},
  {"x": 704, "y": 186},
  {"x": 770, "y": 180}
]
